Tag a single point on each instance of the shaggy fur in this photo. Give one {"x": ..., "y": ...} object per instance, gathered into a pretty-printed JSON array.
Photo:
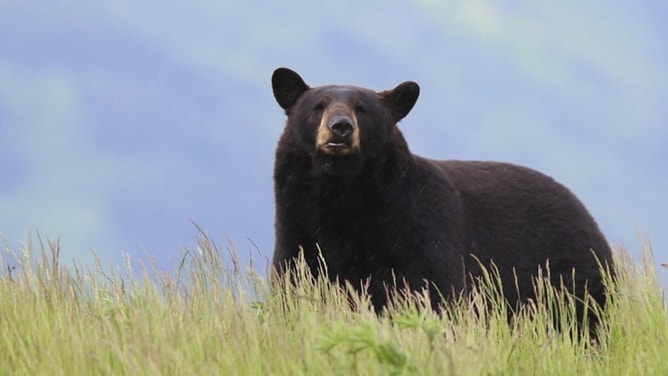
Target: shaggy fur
[{"x": 380, "y": 215}]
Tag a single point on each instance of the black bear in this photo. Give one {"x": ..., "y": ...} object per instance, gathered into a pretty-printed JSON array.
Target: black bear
[{"x": 347, "y": 187}]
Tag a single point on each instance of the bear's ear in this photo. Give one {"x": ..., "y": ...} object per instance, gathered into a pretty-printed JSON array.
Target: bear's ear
[
  {"x": 401, "y": 99},
  {"x": 288, "y": 86}
]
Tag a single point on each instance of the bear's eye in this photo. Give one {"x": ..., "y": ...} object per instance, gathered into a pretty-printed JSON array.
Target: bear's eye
[
  {"x": 319, "y": 107},
  {"x": 360, "y": 109}
]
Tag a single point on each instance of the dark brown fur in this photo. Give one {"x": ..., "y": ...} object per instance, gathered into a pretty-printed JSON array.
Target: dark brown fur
[{"x": 381, "y": 214}]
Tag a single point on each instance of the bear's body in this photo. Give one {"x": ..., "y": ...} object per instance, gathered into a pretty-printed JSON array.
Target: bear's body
[{"x": 347, "y": 186}]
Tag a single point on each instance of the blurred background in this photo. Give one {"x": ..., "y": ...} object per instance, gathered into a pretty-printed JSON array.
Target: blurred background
[{"x": 123, "y": 122}]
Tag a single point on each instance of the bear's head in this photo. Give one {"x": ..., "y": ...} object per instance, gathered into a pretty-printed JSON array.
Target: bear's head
[{"x": 341, "y": 126}]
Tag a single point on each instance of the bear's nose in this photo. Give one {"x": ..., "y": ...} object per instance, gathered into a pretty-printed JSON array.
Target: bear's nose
[{"x": 341, "y": 126}]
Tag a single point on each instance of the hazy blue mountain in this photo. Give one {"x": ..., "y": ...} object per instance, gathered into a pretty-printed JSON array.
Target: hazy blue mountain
[{"x": 122, "y": 122}]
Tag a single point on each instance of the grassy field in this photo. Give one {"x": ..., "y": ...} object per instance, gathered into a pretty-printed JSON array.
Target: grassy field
[{"x": 212, "y": 316}]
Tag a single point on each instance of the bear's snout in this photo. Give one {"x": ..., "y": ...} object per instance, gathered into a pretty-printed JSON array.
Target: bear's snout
[
  {"x": 341, "y": 126},
  {"x": 338, "y": 133}
]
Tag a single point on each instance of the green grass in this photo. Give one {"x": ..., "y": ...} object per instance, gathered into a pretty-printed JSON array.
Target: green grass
[{"x": 212, "y": 315}]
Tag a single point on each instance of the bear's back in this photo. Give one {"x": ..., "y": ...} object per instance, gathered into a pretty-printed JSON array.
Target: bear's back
[{"x": 520, "y": 218}]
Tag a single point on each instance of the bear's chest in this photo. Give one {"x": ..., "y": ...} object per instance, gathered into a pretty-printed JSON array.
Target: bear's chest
[{"x": 352, "y": 239}]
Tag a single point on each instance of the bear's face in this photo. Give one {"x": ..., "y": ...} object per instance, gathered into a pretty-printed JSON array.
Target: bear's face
[{"x": 337, "y": 124}]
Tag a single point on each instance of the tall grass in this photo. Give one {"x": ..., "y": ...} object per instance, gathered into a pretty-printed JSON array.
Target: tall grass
[{"x": 212, "y": 315}]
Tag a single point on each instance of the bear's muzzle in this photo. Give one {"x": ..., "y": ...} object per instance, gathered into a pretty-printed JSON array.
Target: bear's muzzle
[{"x": 338, "y": 133}]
